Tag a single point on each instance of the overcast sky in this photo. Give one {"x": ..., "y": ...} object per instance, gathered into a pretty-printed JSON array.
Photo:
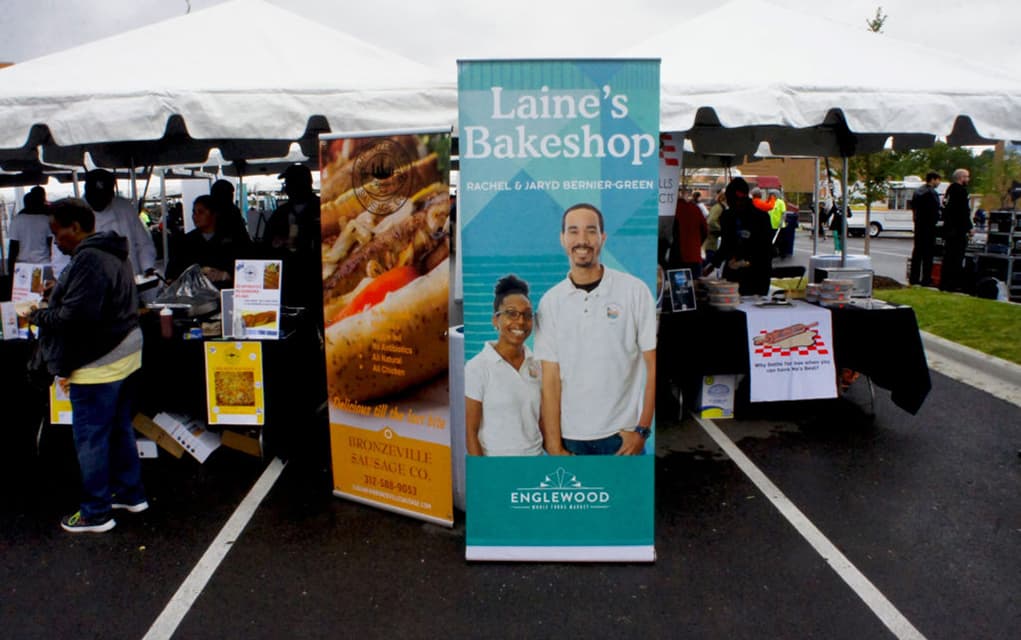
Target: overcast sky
[{"x": 438, "y": 32}]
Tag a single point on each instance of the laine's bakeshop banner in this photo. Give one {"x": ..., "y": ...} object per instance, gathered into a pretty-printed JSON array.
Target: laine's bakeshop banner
[
  {"x": 386, "y": 286},
  {"x": 536, "y": 138}
]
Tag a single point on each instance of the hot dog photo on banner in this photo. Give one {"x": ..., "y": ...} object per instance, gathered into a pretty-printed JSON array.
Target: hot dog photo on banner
[{"x": 386, "y": 286}]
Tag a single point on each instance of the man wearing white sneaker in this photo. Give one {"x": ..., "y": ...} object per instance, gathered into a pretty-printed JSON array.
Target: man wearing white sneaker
[
  {"x": 90, "y": 338},
  {"x": 596, "y": 339}
]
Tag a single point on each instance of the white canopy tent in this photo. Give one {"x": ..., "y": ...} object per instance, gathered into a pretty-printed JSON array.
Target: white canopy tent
[
  {"x": 796, "y": 81},
  {"x": 808, "y": 86},
  {"x": 168, "y": 92},
  {"x": 181, "y": 91}
]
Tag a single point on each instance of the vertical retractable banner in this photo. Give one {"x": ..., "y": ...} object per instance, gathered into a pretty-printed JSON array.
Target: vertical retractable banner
[
  {"x": 559, "y": 165},
  {"x": 386, "y": 288}
]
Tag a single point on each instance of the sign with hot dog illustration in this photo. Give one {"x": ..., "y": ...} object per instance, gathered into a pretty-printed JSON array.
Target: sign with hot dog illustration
[
  {"x": 790, "y": 350},
  {"x": 257, "y": 299},
  {"x": 386, "y": 288},
  {"x": 27, "y": 288}
]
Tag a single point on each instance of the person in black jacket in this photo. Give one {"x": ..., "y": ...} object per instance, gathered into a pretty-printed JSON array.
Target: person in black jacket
[
  {"x": 746, "y": 242},
  {"x": 91, "y": 341},
  {"x": 957, "y": 227},
  {"x": 209, "y": 245},
  {"x": 293, "y": 234},
  {"x": 925, "y": 206}
]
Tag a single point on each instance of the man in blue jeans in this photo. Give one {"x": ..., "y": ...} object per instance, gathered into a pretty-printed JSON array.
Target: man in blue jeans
[
  {"x": 91, "y": 341},
  {"x": 596, "y": 340}
]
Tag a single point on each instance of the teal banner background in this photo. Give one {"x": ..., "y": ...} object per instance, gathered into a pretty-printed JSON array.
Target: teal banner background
[{"x": 620, "y": 515}]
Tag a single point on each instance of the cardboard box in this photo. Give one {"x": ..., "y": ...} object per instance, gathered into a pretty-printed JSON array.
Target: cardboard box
[
  {"x": 245, "y": 442},
  {"x": 189, "y": 433},
  {"x": 151, "y": 430}
]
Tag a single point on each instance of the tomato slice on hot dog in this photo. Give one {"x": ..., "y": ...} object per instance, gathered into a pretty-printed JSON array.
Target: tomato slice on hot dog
[{"x": 376, "y": 290}]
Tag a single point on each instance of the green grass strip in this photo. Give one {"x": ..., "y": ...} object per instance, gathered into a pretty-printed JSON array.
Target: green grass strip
[{"x": 986, "y": 325}]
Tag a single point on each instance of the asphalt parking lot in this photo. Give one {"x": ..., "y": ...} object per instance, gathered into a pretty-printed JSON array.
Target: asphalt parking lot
[{"x": 926, "y": 508}]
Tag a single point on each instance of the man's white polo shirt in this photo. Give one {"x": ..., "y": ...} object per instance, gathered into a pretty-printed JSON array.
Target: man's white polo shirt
[
  {"x": 510, "y": 402},
  {"x": 598, "y": 338}
]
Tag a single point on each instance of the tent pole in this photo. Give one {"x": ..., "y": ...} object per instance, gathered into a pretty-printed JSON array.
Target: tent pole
[
  {"x": 815, "y": 210},
  {"x": 74, "y": 181},
  {"x": 134, "y": 187},
  {"x": 164, "y": 213},
  {"x": 843, "y": 203}
]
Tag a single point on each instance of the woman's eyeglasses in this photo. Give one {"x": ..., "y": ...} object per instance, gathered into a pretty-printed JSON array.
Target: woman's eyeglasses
[{"x": 514, "y": 315}]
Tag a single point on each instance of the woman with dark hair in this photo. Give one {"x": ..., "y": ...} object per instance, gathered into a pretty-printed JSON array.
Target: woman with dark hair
[
  {"x": 209, "y": 245},
  {"x": 503, "y": 386}
]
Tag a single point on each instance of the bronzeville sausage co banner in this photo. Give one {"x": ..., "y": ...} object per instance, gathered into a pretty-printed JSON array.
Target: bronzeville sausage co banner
[
  {"x": 386, "y": 286},
  {"x": 545, "y": 144}
]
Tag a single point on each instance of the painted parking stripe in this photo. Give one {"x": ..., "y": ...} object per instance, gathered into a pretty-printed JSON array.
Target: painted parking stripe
[
  {"x": 167, "y": 622},
  {"x": 894, "y": 620}
]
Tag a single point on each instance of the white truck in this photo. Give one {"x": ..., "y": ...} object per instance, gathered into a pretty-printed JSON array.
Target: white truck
[{"x": 891, "y": 214}]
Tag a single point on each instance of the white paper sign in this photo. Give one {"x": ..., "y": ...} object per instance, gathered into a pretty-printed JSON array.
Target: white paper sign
[
  {"x": 8, "y": 321},
  {"x": 27, "y": 286},
  {"x": 671, "y": 154},
  {"x": 257, "y": 299},
  {"x": 790, "y": 352}
]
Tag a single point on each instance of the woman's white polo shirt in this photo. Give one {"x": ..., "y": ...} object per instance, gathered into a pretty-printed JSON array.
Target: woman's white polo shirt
[{"x": 510, "y": 402}]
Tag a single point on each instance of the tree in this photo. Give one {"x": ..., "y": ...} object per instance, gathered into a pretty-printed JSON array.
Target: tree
[
  {"x": 1004, "y": 169},
  {"x": 872, "y": 177},
  {"x": 876, "y": 23}
]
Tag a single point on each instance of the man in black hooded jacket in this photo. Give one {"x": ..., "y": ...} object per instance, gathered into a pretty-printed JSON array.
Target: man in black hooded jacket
[{"x": 91, "y": 340}]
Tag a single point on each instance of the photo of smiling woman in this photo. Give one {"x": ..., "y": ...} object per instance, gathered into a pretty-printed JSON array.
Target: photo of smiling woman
[{"x": 503, "y": 385}]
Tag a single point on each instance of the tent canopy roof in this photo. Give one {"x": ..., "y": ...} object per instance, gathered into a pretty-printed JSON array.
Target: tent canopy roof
[
  {"x": 293, "y": 79},
  {"x": 778, "y": 74}
]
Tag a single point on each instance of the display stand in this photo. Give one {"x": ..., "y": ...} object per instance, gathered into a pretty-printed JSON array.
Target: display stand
[{"x": 999, "y": 257}]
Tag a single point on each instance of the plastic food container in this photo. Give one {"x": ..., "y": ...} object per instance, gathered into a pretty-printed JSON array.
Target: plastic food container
[{"x": 837, "y": 286}]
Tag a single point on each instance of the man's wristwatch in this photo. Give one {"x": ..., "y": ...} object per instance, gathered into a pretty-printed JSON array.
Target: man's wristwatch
[{"x": 645, "y": 432}]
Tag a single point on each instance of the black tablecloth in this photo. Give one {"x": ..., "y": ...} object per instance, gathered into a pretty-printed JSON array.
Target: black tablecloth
[
  {"x": 882, "y": 343},
  {"x": 173, "y": 379}
]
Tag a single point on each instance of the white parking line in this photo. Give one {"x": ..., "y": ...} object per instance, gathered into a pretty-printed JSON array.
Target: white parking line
[
  {"x": 900, "y": 626},
  {"x": 168, "y": 621}
]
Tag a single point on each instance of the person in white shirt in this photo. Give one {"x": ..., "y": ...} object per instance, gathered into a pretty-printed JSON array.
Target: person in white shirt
[
  {"x": 697, "y": 199},
  {"x": 503, "y": 386},
  {"x": 30, "y": 231},
  {"x": 596, "y": 339},
  {"x": 117, "y": 214}
]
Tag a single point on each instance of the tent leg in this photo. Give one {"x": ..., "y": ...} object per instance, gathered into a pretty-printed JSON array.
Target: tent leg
[
  {"x": 164, "y": 215},
  {"x": 815, "y": 210},
  {"x": 844, "y": 204}
]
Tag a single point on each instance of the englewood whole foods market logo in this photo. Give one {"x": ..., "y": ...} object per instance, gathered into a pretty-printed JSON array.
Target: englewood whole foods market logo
[{"x": 560, "y": 491}]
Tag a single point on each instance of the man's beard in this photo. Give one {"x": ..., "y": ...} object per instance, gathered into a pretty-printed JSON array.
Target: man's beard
[{"x": 588, "y": 261}]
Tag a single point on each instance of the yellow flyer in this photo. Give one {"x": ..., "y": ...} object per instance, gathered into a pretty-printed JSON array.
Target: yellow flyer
[
  {"x": 234, "y": 390},
  {"x": 60, "y": 405}
]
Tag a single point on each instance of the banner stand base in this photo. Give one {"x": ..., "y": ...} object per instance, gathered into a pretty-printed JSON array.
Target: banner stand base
[
  {"x": 386, "y": 507},
  {"x": 611, "y": 553}
]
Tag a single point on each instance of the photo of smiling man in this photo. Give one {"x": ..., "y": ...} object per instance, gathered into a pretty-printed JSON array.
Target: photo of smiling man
[{"x": 596, "y": 341}]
